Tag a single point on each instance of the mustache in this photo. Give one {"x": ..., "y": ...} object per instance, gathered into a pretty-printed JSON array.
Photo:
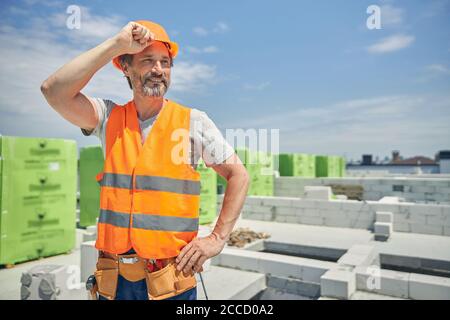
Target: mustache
[{"x": 155, "y": 77}]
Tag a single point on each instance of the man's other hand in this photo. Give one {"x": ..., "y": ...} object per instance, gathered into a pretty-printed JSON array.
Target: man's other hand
[{"x": 196, "y": 252}]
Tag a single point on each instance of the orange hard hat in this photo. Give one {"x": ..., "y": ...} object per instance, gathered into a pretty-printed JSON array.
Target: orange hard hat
[{"x": 160, "y": 35}]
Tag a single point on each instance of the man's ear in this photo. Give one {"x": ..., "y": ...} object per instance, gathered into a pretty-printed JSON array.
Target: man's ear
[{"x": 125, "y": 69}]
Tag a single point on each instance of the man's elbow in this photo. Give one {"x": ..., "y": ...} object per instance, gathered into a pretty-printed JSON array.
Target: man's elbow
[{"x": 46, "y": 89}]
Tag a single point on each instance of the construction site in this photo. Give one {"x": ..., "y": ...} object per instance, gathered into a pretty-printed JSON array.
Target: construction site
[{"x": 307, "y": 231}]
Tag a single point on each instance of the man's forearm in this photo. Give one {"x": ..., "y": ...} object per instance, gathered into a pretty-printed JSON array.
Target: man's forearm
[
  {"x": 71, "y": 78},
  {"x": 234, "y": 198}
]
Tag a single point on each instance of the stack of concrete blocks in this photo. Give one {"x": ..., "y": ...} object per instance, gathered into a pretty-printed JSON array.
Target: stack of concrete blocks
[
  {"x": 51, "y": 282},
  {"x": 383, "y": 225},
  {"x": 340, "y": 281},
  {"x": 417, "y": 189},
  {"x": 431, "y": 219}
]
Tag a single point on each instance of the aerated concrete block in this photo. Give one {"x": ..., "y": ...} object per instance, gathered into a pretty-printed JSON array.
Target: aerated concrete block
[
  {"x": 383, "y": 228},
  {"x": 88, "y": 256},
  {"x": 387, "y": 282},
  {"x": 317, "y": 192},
  {"x": 425, "y": 287},
  {"x": 383, "y": 231},
  {"x": 383, "y": 216},
  {"x": 338, "y": 283},
  {"x": 359, "y": 255}
]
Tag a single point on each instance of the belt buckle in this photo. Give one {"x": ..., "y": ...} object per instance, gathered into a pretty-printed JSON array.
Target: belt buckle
[{"x": 132, "y": 260}]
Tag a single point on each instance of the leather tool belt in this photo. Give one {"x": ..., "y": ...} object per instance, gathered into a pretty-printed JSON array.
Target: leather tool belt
[{"x": 162, "y": 278}]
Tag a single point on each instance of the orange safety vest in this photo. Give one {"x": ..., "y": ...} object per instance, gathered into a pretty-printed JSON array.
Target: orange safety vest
[{"x": 148, "y": 201}]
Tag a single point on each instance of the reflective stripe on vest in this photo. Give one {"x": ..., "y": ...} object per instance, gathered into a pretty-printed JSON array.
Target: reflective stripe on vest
[
  {"x": 148, "y": 221},
  {"x": 124, "y": 181}
]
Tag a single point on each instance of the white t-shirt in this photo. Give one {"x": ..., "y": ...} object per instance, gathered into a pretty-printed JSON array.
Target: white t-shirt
[{"x": 206, "y": 141}]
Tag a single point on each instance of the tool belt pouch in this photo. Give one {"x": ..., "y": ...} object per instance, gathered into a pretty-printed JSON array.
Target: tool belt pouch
[
  {"x": 106, "y": 275},
  {"x": 168, "y": 282},
  {"x": 133, "y": 271}
]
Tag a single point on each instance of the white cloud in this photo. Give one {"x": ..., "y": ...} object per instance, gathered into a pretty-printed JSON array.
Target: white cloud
[
  {"x": 192, "y": 77},
  {"x": 432, "y": 72},
  {"x": 438, "y": 69},
  {"x": 93, "y": 28},
  {"x": 220, "y": 27},
  {"x": 200, "y": 31},
  {"x": 391, "y": 44},
  {"x": 208, "y": 49},
  {"x": 256, "y": 87},
  {"x": 391, "y": 15}
]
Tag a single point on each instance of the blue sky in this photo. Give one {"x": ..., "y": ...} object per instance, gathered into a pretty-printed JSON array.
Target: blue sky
[{"x": 310, "y": 68}]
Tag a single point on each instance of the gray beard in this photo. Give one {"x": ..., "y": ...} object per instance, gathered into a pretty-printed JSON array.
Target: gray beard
[{"x": 154, "y": 91}]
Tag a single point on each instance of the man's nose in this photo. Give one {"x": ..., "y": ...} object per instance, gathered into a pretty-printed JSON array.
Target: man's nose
[{"x": 157, "y": 67}]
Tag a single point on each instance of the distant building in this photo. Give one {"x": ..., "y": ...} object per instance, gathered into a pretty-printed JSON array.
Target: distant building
[
  {"x": 417, "y": 164},
  {"x": 444, "y": 161}
]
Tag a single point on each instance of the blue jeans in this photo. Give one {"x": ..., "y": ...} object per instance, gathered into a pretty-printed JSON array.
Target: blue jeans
[{"x": 128, "y": 290}]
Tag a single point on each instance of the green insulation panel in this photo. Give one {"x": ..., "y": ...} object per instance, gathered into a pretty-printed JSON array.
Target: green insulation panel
[
  {"x": 208, "y": 193},
  {"x": 297, "y": 165},
  {"x": 38, "y": 183},
  {"x": 91, "y": 163}
]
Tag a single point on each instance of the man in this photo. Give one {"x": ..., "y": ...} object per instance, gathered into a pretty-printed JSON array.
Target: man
[{"x": 149, "y": 187}]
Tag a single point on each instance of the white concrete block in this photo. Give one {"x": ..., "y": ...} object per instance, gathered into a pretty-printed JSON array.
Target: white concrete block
[
  {"x": 438, "y": 221},
  {"x": 262, "y": 209},
  {"x": 337, "y": 222},
  {"x": 338, "y": 283},
  {"x": 359, "y": 255},
  {"x": 383, "y": 216},
  {"x": 383, "y": 228},
  {"x": 88, "y": 259},
  {"x": 390, "y": 199},
  {"x": 353, "y": 205},
  {"x": 387, "y": 282},
  {"x": 427, "y": 229},
  {"x": 402, "y": 227},
  {"x": 91, "y": 229},
  {"x": 422, "y": 209},
  {"x": 310, "y": 212},
  {"x": 417, "y": 218},
  {"x": 372, "y": 195},
  {"x": 317, "y": 192},
  {"x": 425, "y": 287},
  {"x": 306, "y": 204},
  {"x": 330, "y": 205},
  {"x": 361, "y": 223},
  {"x": 291, "y": 219},
  {"x": 278, "y": 201},
  {"x": 289, "y": 211},
  {"x": 319, "y": 221}
]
